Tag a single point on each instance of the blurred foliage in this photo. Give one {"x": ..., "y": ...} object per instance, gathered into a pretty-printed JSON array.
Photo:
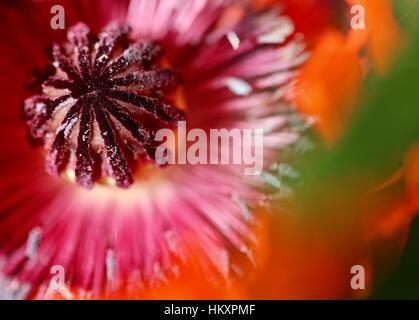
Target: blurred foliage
[
  {"x": 407, "y": 13},
  {"x": 403, "y": 283}
]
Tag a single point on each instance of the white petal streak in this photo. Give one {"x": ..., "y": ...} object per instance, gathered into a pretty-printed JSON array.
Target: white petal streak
[{"x": 238, "y": 86}]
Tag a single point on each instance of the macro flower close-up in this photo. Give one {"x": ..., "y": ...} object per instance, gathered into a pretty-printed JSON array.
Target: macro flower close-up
[{"x": 205, "y": 149}]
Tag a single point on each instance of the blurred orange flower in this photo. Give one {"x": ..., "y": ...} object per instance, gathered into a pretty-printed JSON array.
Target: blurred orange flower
[
  {"x": 383, "y": 33},
  {"x": 331, "y": 80},
  {"x": 395, "y": 212}
]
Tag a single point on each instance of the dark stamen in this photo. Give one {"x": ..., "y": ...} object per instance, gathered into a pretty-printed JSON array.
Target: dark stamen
[
  {"x": 92, "y": 87},
  {"x": 59, "y": 151},
  {"x": 160, "y": 110},
  {"x": 142, "y": 54},
  {"x": 38, "y": 112},
  {"x": 85, "y": 162},
  {"x": 153, "y": 80},
  {"x": 64, "y": 63},
  {"x": 134, "y": 127},
  {"x": 116, "y": 158},
  {"x": 79, "y": 37},
  {"x": 108, "y": 39}
]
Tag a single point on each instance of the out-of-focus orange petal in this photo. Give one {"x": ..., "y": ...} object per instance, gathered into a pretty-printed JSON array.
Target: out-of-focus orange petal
[
  {"x": 330, "y": 82},
  {"x": 306, "y": 262},
  {"x": 384, "y": 33},
  {"x": 387, "y": 213},
  {"x": 392, "y": 206}
]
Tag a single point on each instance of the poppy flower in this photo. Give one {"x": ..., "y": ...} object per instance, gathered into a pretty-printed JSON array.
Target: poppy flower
[{"x": 81, "y": 188}]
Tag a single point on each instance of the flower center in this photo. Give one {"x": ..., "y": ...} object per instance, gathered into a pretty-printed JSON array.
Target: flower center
[{"x": 101, "y": 102}]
